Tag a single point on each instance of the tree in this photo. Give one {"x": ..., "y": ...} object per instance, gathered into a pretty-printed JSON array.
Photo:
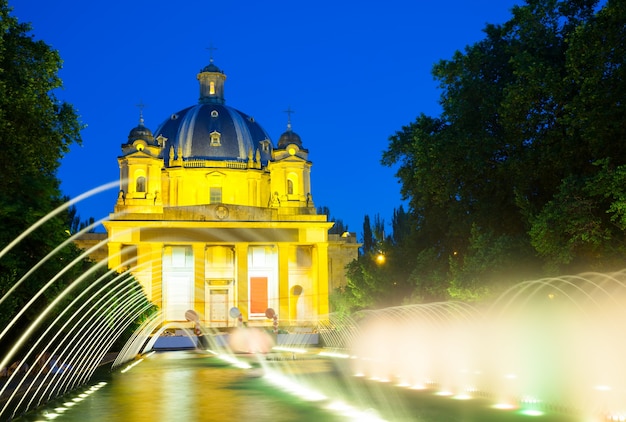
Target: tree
[
  {"x": 368, "y": 237},
  {"x": 339, "y": 227},
  {"x": 401, "y": 226},
  {"x": 583, "y": 226},
  {"x": 509, "y": 172},
  {"x": 36, "y": 130},
  {"x": 595, "y": 63},
  {"x": 380, "y": 275},
  {"x": 576, "y": 227}
]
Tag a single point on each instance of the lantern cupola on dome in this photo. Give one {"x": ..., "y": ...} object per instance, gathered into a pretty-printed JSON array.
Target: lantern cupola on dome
[
  {"x": 211, "y": 130},
  {"x": 140, "y": 132},
  {"x": 211, "y": 80},
  {"x": 289, "y": 137}
]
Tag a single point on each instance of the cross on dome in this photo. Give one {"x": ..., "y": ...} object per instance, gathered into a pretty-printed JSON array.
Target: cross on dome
[
  {"x": 289, "y": 111},
  {"x": 211, "y": 50},
  {"x": 141, "y": 106}
]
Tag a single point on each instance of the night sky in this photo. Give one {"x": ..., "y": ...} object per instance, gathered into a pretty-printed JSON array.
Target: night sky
[{"x": 354, "y": 72}]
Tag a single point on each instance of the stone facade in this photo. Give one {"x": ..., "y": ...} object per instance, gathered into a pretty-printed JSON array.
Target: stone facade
[{"x": 213, "y": 217}]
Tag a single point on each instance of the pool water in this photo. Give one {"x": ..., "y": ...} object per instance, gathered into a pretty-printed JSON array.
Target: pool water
[{"x": 192, "y": 386}]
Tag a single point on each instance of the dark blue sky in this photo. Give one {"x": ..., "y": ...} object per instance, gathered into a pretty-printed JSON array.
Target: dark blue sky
[{"x": 353, "y": 71}]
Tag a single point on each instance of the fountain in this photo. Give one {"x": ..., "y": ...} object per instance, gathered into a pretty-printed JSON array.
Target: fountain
[
  {"x": 64, "y": 344},
  {"x": 549, "y": 346}
]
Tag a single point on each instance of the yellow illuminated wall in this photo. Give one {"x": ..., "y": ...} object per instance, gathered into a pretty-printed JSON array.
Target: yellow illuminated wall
[{"x": 213, "y": 234}]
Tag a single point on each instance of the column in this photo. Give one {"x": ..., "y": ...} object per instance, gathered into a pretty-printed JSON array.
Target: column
[
  {"x": 143, "y": 268},
  {"x": 199, "y": 294},
  {"x": 283, "y": 283},
  {"x": 115, "y": 255},
  {"x": 321, "y": 281},
  {"x": 156, "y": 290},
  {"x": 241, "y": 278}
]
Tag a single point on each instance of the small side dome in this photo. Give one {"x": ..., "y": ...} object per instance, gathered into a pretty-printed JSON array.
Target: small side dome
[
  {"x": 140, "y": 132},
  {"x": 289, "y": 137},
  {"x": 211, "y": 68}
]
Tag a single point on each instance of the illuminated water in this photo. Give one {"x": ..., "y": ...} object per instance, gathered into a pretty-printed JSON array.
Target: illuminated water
[
  {"x": 190, "y": 386},
  {"x": 549, "y": 349},
  {"x": 184, "y": 386},
  {"x": 545, "y": 344}
]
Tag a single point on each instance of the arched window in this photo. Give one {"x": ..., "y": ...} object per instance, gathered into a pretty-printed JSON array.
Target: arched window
[
  {"x": 141, "y": 184},
  {"x": 292, "y": 184},
  {"x": 212, "y": 88}
]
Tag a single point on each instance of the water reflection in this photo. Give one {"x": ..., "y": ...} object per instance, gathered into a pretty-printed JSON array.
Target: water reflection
[{"x": 192, "y": 387}]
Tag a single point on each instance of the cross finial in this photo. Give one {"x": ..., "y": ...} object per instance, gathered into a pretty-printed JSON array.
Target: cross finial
[
  {"x": 289, "y": 111},
  {"x": 211, "y": 49},
  {"x": 141, "y": 106}
]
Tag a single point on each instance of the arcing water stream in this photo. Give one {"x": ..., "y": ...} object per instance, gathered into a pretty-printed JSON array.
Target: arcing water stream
[{"x": 549, "y": 348}]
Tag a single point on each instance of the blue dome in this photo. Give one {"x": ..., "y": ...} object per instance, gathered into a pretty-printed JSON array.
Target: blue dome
[
  {"x": 214, "y": 132},
  {"x": 140, "y": 132},
  {"x": 289, "y": 137},
  {"x": 211, "y": 68}
]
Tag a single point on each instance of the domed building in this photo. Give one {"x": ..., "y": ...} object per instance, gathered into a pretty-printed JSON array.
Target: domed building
[{"x": 211, "y": 215}]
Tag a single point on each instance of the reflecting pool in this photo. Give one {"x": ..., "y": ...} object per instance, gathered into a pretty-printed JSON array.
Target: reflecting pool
[
  {"x": 194, "y": 386},
  {"x": 183, "y": 386}
]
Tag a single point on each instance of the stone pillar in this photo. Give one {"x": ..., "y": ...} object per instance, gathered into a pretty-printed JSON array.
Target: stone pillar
[
  {"x": 241, "y": 279},
  {"x": 143, "y": 267},
  {"x": 156, "y": 290},
  {"x": 283, "y": 284},
  {"x": 320, "y": 266},
  {"x": 115, "y": 255},
  {"x": 199, "y": 295}
]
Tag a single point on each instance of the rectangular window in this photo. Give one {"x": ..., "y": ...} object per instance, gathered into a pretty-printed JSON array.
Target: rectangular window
[
  {"x": 303, "y": 256},
  {"x": 258, "y": 255},
  {"x": 215, "y": 195},
  {"x": 178, "y": 292},
  {"x": 181, "y": 256},
  {"x": 258, "y": 295},
  {"x": 129, "y": 255}
]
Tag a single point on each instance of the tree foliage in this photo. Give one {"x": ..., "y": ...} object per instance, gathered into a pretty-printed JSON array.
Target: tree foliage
[
  {"x": 339, "y": 227},
  {"x": 368, "y": 236},
  {"x": 36, "y": 131},
  {"x": 522, "y": 172},
  {"x": 380, "y": 276}
]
